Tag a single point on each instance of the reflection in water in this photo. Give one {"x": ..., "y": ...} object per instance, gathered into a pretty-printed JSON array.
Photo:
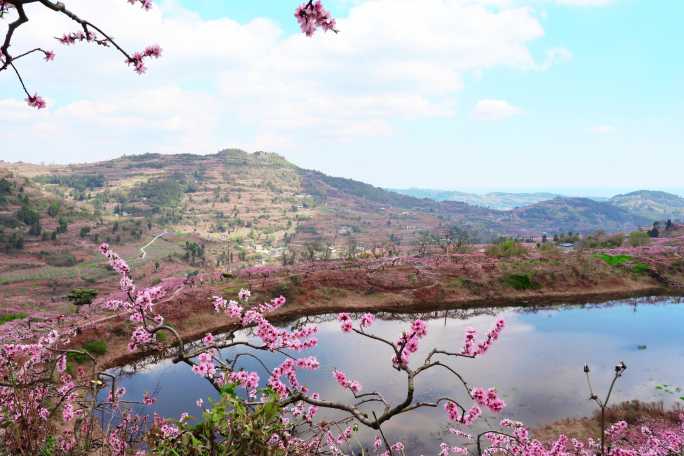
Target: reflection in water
[{"x": 536, "y": 365}]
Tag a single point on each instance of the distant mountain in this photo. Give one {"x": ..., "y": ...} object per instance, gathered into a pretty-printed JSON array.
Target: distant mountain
[
  {"x": 495, "y": 200},
  {"x": 578, "y": 215},
  {"x": 651, "y": 204}
]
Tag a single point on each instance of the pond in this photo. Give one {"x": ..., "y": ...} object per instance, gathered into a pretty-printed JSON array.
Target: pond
[{"x": 537, "y": 365}]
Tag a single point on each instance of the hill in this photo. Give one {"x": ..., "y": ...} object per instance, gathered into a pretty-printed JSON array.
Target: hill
[
  {"x": 579, "y": 215},
  {"x": 234, "y": 209},
  {"x": 651, "y": 204},
  {"x": 227, "y": 212},
  {"x": 493, "y": 200}
]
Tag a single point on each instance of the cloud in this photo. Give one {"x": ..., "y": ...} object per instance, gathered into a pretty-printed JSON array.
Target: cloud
[
  {"x": 585, "y": 2},
  {"x": 553, "y": 57},
  {"x": 602, "y": 129},
  {"x": 221, "y": 82},
  {"x": 495, "y": 110}
]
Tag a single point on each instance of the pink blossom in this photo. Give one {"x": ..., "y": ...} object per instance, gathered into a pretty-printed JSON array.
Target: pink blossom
[
  {"x": 352, "y": 385},
  {"x": 169, "y": 431},
  {"x": 312, "y": 15},
  {"x": 244, "y": 294},
  {"x": 345, "y": 322},
  {"x": 36, "y": 101},
  {"x": 144, "y": 4},
  {"x": 367, "y": 320},
  {"x": 148, "y": 399}
]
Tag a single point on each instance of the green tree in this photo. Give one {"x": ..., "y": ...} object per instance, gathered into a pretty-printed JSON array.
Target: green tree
[
  {"x": 28, "y": 215},
  {"x": 82, "y": 296},
  {"x": 54, "y": 208},
  {"x": 63, "y": 225},
  {"x": 36, "y": 229}
]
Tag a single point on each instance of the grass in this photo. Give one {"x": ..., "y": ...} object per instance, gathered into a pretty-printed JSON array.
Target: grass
[
  {"x": 521, "y": 282},
  {"x": 640, "y": 268},
  {"x": 96, "y": 347},
  {"x": 507, "y": 248},
  {"x": 11, "y": 317},
  {"x": 91, "y": 271},
  {"x": 78, "y": 358},
  {"x": 613, "y": 260},
  {"x": 457, "y": 282}
]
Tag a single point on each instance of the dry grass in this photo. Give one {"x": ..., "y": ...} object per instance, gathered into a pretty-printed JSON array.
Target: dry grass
[{"x": 635, "y": 413}]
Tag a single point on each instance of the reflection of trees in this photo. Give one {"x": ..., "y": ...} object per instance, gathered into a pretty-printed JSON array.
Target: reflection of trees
[
  {"x": 633, "y": 302},
  {"x": 454, "y": 314}
]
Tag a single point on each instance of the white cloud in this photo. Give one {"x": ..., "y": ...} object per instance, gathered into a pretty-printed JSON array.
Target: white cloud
[
  {"x": 553, "y": 57},
  {"x": 585, "y": 2},
  {"x": 224, "y": 83},
  {"x": 602, "y": 129},
  {"x": 495, "y": 110}
]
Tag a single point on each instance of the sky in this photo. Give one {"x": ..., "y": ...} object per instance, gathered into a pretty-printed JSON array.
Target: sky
[{"x": 575, "y": 96}]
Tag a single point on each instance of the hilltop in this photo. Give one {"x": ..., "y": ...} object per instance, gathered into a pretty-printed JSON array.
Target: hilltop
[
  {"x": 579, "y": 215},
  {"x": 494, "y": 200},
  {"x": 651, "y": 204}
]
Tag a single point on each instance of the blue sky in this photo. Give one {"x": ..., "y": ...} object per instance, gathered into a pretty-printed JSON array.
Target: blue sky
[{"x": 538, "y": 94}]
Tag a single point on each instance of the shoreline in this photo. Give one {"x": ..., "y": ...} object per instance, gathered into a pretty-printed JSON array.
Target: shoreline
[{"x": 296, "y": 310}]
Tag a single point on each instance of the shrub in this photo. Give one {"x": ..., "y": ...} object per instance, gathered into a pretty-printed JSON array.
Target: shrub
[
  {"x": 79, "y": 182},
  {"x": 28, "y": 216},
  {"x": 521, "y": 282},
  {"x": 549, "y": 249},
  {"x": 638, "y": 238},
  {"x": 640, "y": 268},
  {"x": 506, "y": 248},
  {"x": 96, "y": 347},
  {"x": 59, "y": 259},
  {"x": 78, "y": 358},
  {"x": 284, "y": 289},
  {"x": 613, "y": 260},
  {"x": 601, "y": 241}
]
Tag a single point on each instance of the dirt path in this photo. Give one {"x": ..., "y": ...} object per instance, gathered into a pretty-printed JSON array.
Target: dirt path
[{"x": 142, "y": 249}]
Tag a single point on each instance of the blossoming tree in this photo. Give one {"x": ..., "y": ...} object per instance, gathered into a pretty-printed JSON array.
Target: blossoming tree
[
  {"x": 311, "y": 16},
  {"x": 43, "y": 406}
]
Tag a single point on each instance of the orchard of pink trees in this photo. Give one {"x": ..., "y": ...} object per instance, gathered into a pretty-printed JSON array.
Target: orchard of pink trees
[{"x": 269, "y": 412}]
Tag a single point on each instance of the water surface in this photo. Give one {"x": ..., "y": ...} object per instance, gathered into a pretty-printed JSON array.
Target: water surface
[{"x": 537, "y": 365}]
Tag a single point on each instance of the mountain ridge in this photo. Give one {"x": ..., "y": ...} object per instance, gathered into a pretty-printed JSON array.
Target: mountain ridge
[{"x": 235, "y": 194}]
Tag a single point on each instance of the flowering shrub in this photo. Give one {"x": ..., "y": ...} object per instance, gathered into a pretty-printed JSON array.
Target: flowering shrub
[{"x": 46, "y": 410}]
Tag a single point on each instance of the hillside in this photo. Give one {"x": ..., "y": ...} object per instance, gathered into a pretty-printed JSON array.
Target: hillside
[
  {"x": 651, "y": 204},
  {"x": 578, "y": 215},
  {"x": 493, "y": 200},
  {"x": 227, "y": 212},
  {"x": 233, "y": 210}
]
